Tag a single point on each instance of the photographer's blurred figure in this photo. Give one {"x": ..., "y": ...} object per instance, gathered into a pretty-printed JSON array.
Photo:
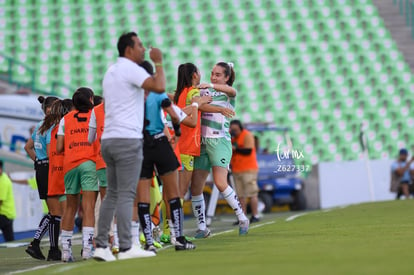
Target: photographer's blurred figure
[
  {"x": 7, "y": 207},
  {"x": 244, "y": 167},
  {"x": 401, "y": 173}
]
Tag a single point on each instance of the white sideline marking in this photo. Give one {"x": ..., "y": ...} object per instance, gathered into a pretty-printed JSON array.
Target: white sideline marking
[
  {"x": 334, "y": 208},
  {"x": 262, "y": 224},
  {"x": 12, "y": 245},
  {"x": 65, "y": 268},
  {"x": 251, "y": 227},
  {"x": 291, "y": 218},
  {"x": 222, "y": 232},
  {"x": 31, "y": 269}
]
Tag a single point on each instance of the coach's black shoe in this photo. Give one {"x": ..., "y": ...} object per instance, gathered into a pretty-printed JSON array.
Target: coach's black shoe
[
  {"x": 54, "y": 255},
  {"x": 182, "y": 244},
  {"x": 35, "y": 252}
]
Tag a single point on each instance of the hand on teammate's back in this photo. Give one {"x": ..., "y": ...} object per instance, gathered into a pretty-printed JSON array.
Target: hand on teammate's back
[
  {"x": 202, "y": 99},
  {"x": 204, "y": 86},
  {"x": 155, "y": 55},
  {"x": 227, "y": 112}
]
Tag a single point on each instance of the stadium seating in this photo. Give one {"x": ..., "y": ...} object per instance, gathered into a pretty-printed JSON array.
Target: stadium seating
[{"x": 319, "y": 67}]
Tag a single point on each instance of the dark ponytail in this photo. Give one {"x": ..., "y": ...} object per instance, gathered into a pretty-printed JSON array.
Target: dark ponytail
[
  {"x": 184, "y": 78},
  {"x": 58, "y": 109},
  {"x": 228, "y": 71},
  {"x": 46, "y": 102}
]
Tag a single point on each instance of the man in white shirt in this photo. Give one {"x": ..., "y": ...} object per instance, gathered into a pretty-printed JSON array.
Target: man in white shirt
[{"x": 122, "y": 141}]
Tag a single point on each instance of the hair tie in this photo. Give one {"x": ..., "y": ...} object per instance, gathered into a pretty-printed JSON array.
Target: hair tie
[{"x": 230, "y": 64}]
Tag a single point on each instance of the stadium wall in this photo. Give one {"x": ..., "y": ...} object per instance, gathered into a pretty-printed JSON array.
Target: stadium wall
[{"x": 343, "y": 183}]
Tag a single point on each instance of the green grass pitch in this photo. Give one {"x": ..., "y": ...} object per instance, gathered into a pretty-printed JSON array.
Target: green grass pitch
[{"x": 372, "y": 238}]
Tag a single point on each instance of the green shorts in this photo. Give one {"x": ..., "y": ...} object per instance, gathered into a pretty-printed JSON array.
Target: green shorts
[
  {"x": 82, "y": 177},
  {"x": 214, "y": 152},
  {"x": 101, "y": 174}
]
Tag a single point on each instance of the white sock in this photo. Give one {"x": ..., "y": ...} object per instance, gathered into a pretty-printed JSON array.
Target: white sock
[
  {"x": 135, "y": 233},
  {"x": 199, "y": 210},
  {"x": 172, "y": 231},
  {"x": 66, "y": 239},
  {"x": 116, "y": 238},
  {"x": 234, "y": 203},
  {"x": 87, "y": 236}
]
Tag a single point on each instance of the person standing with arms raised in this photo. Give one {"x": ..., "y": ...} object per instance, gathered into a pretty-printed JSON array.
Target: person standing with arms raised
[{"x": 122, "y": 141}]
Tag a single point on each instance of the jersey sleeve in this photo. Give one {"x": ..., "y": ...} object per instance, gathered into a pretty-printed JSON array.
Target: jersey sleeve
[
  {"x": 137, "y": 75},
  {"x": 92, "y": 120},
  {"x": 61, "y": 130},
  {"x": 161, "y": 97},
  {"x": 192, "y": 93}
]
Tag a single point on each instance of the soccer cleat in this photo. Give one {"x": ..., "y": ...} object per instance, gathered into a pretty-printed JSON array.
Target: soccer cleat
[
  {"x": 150, "y": 248},
  {"x": 165, "y": 238},
  {"x": 103, "y": 254},
  {"x": 35, "y": 252},
  {"x": 143, "y": 241},
  {"x": 87, "y": 253},
  {"x": 142, "y": 238},
  {"x": 254, "y": 219},
  {"x": 157, "y": 244},
  {"x": 54, "y": 255},
  {"x": 181, "y": 243},
  {"x": 67, "y": 256},
  {"x": 243, "y": 227},
  {"x": 200, "y": 234},
  {"x": 115, "y": 249},
  {"x": 156, "y": 233},
  {"x": 135, "y": 252}
]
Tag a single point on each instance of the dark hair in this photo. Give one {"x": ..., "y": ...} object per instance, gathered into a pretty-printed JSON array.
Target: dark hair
[
  {"x": 1, "y": 164},
  {"x": 97, "y": 99},
  {"x": 82, "y": 99},
  {"x": 237, "y": 122},
  {"x": 228, "y": 71},
  {"x": 67, "y": 105},
  {"x": 148, "y": 67},
  {"x": 184, "y": 78},
  {"x": 46, "y": 102},
  {"x": 124, "y": 41},
  {"x": 58, "y": 109}
]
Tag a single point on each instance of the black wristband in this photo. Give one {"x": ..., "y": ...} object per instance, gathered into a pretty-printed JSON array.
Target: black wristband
[{"x": 177, "y": 129}]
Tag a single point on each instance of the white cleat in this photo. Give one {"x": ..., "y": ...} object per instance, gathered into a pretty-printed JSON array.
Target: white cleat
[
  {"x": 135, "y": 252},
  {"x": 103, "y": 254}
]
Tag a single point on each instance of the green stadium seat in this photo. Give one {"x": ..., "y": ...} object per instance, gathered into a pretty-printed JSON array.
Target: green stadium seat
[{"x": 307, "y": 64}]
